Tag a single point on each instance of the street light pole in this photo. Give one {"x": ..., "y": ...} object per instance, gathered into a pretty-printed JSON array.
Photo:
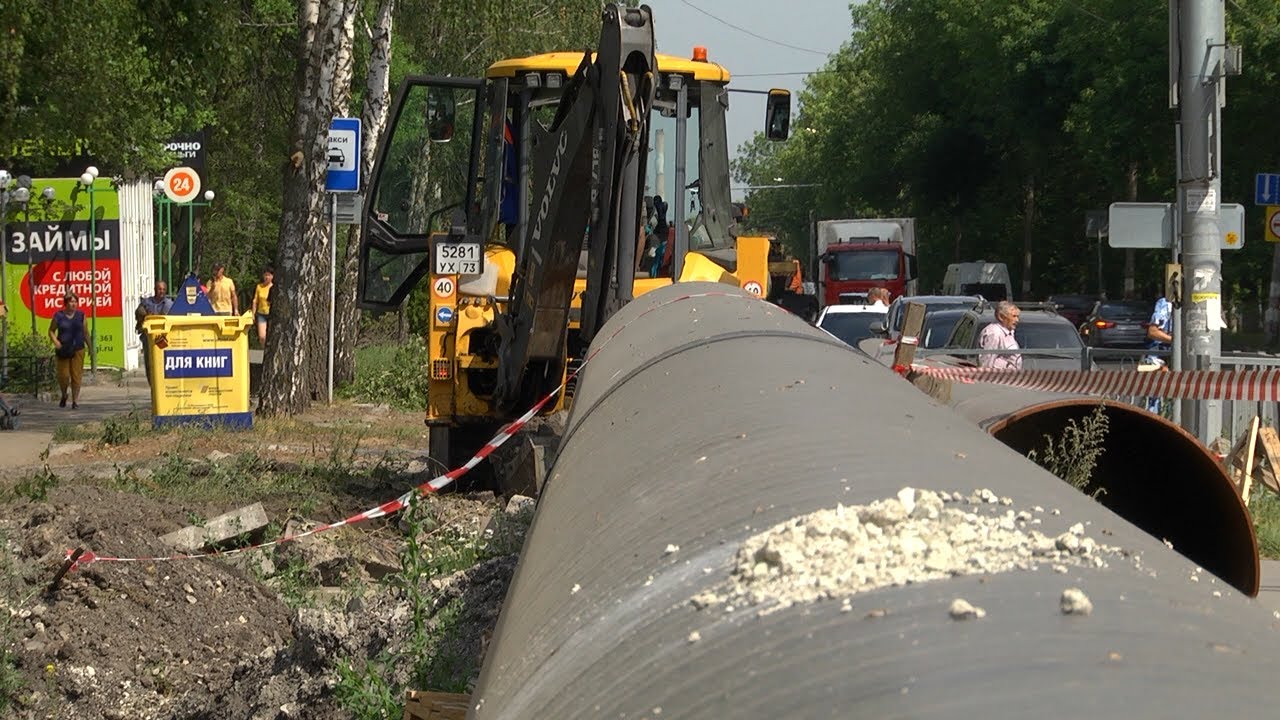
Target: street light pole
[
  {"x": 1201, "y": 36},
  {"x": 47, "y": 195},
  {"x": 4, "y": 269},
  {"x": 87, "y": 179},
  {"x": 191, "y": 224}
]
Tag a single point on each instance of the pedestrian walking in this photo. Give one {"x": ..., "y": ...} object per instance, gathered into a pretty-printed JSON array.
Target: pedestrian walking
[
  {"x": 262, "y": 304},
  {"x": 999, "y": 335},
  {"x": 222, "y": 292},
  {"x": 70, "y": 334}
]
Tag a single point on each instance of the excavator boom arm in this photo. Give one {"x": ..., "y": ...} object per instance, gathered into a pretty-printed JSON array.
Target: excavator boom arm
[{"x": 588, "y": 184}]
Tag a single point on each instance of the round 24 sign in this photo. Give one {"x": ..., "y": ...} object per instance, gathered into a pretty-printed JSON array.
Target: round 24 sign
[{"x": 181, "y": 184}]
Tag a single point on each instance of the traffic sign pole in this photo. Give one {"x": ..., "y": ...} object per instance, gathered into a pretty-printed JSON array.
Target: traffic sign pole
[
  {"x": 333, "y": 283},
  {"x": 342, "y": 176}
]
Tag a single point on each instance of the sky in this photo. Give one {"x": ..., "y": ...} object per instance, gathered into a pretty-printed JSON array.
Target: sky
[{"x": 817, "y": 27}]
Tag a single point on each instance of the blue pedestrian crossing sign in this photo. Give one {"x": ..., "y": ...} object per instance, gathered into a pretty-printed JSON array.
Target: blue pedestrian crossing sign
[
  {"x": 343, "y": 156},
  {"x": 1267, "y": 189}
]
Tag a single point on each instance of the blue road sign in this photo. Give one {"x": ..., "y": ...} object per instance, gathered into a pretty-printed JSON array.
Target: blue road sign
[
  {"x": 444, "y": 315},
  {"x": 1267, "y": 189},
  {"x": 343, "y": 156}
]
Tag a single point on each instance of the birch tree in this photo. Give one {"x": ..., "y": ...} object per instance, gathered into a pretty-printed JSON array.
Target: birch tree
[
  {"x": 295, "y": 361},
  {"x": 377, "y": 103}
]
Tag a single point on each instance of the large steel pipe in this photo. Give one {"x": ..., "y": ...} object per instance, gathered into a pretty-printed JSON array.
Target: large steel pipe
[
  {"x": 1151, "y": 471},
  {"x": 702, "y": 422}
]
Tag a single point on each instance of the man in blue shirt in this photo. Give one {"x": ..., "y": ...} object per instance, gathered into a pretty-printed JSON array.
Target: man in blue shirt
[
  {"x": 158, "y": 304},
  {"x": 1159, "y": 337}
]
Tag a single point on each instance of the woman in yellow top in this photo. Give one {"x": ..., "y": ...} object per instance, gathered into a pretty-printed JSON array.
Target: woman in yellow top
[
  {"x": 222, "y": 292},
  {"x": 262, "y": 304}
]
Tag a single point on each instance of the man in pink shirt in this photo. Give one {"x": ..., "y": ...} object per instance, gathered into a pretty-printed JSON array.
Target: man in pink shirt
[{"x": 999, "y": 336}]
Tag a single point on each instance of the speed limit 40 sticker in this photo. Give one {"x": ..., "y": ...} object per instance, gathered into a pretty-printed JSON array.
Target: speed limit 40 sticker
[
  {"x": 443, "y": 287},
  {"x": 754, "y": 288}
]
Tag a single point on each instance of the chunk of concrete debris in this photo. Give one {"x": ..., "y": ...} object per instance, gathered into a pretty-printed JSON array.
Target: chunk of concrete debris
[
  {"x": 67, "y": 448},
  {"x": 250, "y": 519},
  {"x": 1075, "y": 602},
  {"x": 961, "y": 609},
  {"x": 217, "y": 456}
]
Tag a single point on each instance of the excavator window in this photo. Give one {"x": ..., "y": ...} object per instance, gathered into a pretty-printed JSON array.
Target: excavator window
[{"x": 427, "y": 169}]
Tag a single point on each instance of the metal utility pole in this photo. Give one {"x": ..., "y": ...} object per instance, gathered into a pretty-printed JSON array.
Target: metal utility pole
[{"x": 1198, "y": 27}]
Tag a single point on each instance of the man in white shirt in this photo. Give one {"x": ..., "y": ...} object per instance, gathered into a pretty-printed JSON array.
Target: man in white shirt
[
  {"x": 878, "y": 297},
  {"x": 999, "y": 336}
]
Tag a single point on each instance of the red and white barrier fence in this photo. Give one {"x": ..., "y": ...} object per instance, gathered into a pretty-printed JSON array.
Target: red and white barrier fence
[{"x": 1261, "y": 385}]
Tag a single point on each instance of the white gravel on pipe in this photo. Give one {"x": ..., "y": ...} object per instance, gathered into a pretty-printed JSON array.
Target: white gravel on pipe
[{"x": 913, "y": 537}]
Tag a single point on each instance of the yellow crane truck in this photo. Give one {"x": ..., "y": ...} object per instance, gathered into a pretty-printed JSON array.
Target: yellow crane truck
[{"x": 521, "y": 200}]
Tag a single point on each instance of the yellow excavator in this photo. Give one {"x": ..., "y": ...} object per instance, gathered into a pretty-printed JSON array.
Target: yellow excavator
[{"x": 537, "y": 201}]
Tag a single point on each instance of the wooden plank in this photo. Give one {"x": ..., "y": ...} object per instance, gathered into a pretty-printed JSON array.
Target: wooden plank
[
  {"x": 905, "y": 352},
  {"x": 1247, "y": 485},
  {"x": 427, "y": 705},
  {"x": 1271, "y": 451},
  {"x": 1268, "y": 479}
]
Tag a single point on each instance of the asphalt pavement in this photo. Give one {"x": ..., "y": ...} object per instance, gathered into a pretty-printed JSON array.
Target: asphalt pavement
[
  {"x": 106, "y": 395},
  {"x": 1269, "y": 596}
]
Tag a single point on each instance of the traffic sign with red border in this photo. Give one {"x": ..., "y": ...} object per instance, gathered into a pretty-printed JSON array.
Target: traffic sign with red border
[{"x": 1273, "y": 223}]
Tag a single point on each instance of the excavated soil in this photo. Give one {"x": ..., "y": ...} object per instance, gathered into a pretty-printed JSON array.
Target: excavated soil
[{"x": 262, "y": 634}]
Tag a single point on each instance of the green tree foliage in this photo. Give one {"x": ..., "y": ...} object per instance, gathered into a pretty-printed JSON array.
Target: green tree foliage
[{"x": 999, "y": 127}]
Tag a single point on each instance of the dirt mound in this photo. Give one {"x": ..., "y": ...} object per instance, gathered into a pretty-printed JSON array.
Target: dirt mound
[
  {"x": 126, "y": 640},
  {"x": 259, "y": 635}
]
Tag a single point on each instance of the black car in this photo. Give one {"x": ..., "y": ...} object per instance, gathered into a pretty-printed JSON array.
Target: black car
[
  {"x": 1117, "y": 324},
  {"x": 1074, "y": 307},
  {"x": 1039, "y": 328},
  {"x": 938, "y": 326},
  {"x": 898, "y": 309}
]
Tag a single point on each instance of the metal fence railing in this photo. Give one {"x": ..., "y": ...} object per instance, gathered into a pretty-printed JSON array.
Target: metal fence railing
[
  {"x": 31, "y": 375},
  {"x": 1237, "y": 415}
]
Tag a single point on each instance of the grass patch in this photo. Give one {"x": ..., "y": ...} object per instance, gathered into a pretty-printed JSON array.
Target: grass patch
[
  {"x": 365, "y": 687},
  {"x": 394, "y": 375},
  {"x": 1264, "y": 506}
]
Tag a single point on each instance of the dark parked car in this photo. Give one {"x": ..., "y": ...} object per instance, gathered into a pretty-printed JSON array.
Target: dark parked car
[
  {"x": 898, "y": 309},
  {"x": 938, "y": 326},
  {"x": 1074, "y": 307},
  {"x": 1039, "y": 328},
  {"x": 1117, "y": 324}
]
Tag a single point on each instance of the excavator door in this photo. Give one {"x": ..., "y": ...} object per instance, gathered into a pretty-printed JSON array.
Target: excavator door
[{"x": 420, "y": 197}]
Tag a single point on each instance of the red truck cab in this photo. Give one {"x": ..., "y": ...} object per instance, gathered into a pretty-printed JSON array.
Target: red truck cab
[
  {"x": 857, "y": 254},
  {"x": 849, "y": 270}
]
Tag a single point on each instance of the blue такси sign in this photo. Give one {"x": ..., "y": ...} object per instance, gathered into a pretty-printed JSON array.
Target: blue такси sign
[
  {"x": 343, "y": 156},
  {"x": 197, "y": 363}
]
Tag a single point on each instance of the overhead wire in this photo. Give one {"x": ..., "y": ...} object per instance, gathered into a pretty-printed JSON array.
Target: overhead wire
[{"x": 757, "y": 36}]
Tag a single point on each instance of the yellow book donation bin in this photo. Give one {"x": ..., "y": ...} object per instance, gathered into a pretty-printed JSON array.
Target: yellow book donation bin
[{"x": 199, "y": 363}]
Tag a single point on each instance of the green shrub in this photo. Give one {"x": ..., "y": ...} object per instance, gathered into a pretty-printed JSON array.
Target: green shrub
[
  {"x": 1074, "y": 455},
  {"x": 29, "y": 369},
  {"x": 394, "y": 375}
]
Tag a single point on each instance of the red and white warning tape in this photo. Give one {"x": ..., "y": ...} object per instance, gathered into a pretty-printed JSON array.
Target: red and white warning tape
[
  {"x": 434, "y": 485},
  {"x": 1250, "y": 385}
]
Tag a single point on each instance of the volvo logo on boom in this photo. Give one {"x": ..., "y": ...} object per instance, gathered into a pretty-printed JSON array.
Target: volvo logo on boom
[{"x": 552, "y": 180}]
